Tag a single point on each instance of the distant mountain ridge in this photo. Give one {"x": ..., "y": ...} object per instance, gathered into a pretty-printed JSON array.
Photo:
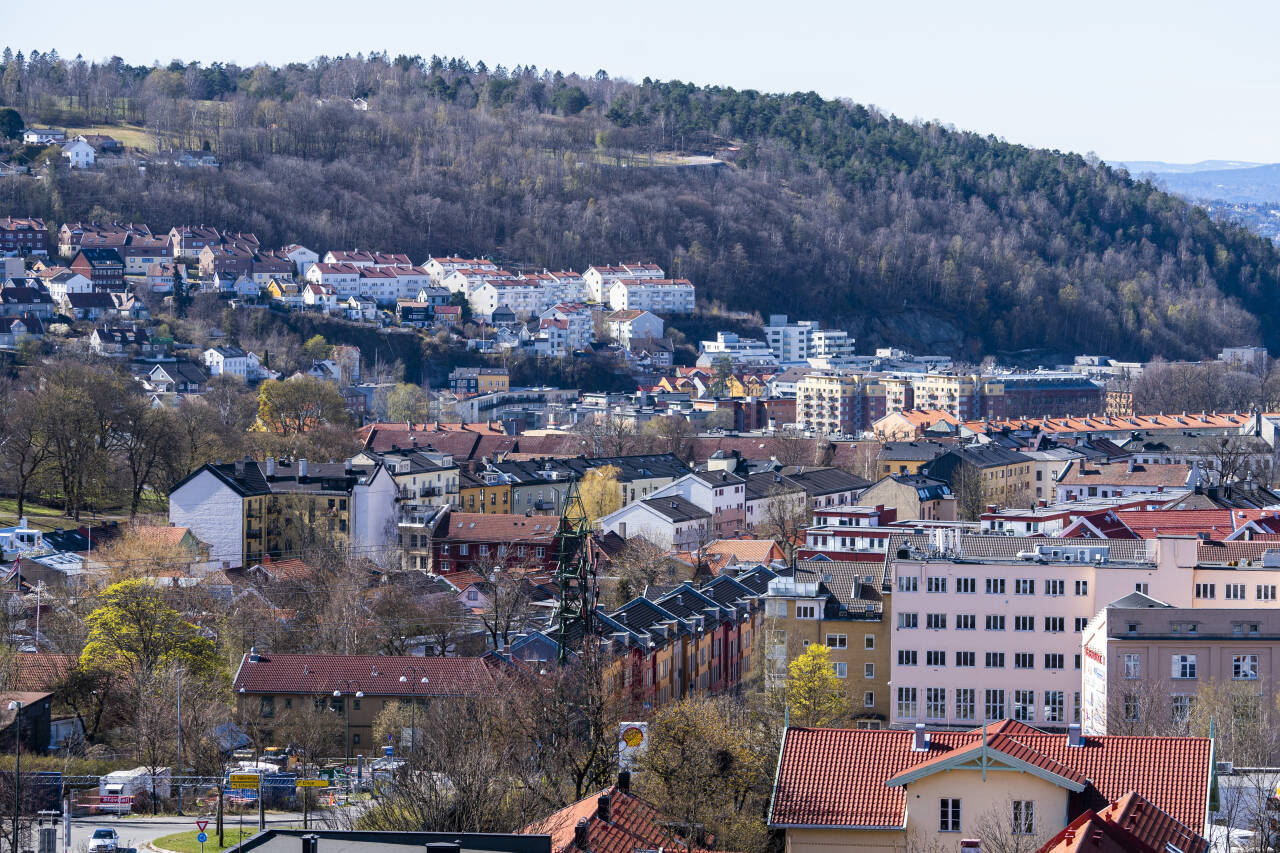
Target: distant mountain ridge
[
  {"x": 1253, "y": 185},
  {"x": 1159, "y": 167}
]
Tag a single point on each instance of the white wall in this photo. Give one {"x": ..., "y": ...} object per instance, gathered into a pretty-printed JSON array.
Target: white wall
[{"x": 215, "y": 514}]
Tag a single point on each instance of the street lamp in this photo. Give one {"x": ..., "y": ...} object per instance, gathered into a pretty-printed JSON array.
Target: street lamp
[
  {"x": 413, "y": 707},
  {"x": 346, "y": 706},
  {"x": 16, "y": 707}
]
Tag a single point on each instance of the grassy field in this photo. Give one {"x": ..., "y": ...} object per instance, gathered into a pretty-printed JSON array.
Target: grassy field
[
  {"x": 129, "y": 135},
  {"x": 185, "y": 842},
  {"x": 39, "y": 517}
]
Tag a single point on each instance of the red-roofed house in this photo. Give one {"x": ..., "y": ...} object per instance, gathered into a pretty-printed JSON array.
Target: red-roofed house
[
  {"x": 482, "y": 541},
  {"x": 1129, "y": 825},
  {"x": 865, "y": 789},
  {"x": 268, "y": 684}
]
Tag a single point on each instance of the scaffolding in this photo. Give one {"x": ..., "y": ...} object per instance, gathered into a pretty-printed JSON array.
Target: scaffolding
[{"x": 575, "y": 572}]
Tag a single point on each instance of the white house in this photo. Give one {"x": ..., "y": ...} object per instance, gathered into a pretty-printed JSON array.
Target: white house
[
  {"x": 720, "y": 493},
  {"x": 227, "y": 361},
  {"x": 598, "y": 280},
  {"x": 671, "y": 523},
  {"x": 440, "y": 268},
  {"x": 659, "y": 295},
  {"x": 342, "y": 279},
  {"x": 42, "y": 136},
  {"x": 379, "y": 284},
  {"x": 577, "y": 319},
  {"x": 564, "y": 286},
  {"x": 302, "y": 257},
  {"x": 633, "y": 324},
  {"x": 79, "y": 154},
  {"x": 320, "y": 296},
  {"x": 71, "y": 282},
  {"x": 359, "y": 309},
  {"x": 522, "y": 297},
  {"x": 210, "y": 505}
]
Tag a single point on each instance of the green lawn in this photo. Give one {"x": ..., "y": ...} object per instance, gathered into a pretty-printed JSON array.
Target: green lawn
[
  {"x": 130, "y": 135},
  {"x": 185, "y": 842},
  {"x": 39, "y": 517}
]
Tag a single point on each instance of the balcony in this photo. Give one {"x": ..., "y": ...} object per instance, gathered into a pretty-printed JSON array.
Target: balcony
[{"x": 253, "y": 534}]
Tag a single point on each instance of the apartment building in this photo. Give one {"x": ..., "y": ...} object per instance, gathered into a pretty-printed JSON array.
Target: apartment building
[
  {"x": 842, "y": 605},
  {"x": 790, "y": 342},
  {"x": 1145, "y": 660},
  {"x": 657, "y": 295},
  {"x": 1004, "y": 476},
  {"x": 988, "y": 627},
  {"x": 598, "y": 279},
  {"x": 830, "y": 403}
]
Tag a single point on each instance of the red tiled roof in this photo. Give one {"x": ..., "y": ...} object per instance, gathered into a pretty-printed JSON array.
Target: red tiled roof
[
  {"x": 1129, "y": 825},
  {"x": 1237, "y": 550},
  {"x": 41, "y": 670},
  {"x": 837, "y": 777},
  {"x": 1101, "y": 423},
  {"x": 377, "y": 675},
  {"x": 498, "y": 527},
  {"x": 634, "y": 824},
  {"x": 1218, "y": 523}
]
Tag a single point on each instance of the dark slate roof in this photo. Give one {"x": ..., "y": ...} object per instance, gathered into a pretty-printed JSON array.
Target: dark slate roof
[
  {"x": 912, "y": 451},
  {"x": 677, "y": 509},
  {"x": 825, "y": 481}
]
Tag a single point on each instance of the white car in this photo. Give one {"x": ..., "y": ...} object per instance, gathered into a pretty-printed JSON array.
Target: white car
[{"x": 104, "y": 840}]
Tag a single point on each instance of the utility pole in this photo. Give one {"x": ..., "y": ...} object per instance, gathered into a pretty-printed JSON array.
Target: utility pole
[
  {"x": 221, "y": 790},
  {"x": 16, "y": 707},
  {"x": 181, "y": 764}
]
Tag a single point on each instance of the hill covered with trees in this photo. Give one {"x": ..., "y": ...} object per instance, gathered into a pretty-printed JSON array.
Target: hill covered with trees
[{"x": 911, "y": 234}]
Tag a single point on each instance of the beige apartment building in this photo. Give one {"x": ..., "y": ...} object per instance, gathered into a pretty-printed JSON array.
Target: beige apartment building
[
  {"x": 828, "y": 403},
  {"x": 844, "y": 606}
]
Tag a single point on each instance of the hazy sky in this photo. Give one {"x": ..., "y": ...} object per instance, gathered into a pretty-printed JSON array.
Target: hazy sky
[{"x": 1173, "y": 80}]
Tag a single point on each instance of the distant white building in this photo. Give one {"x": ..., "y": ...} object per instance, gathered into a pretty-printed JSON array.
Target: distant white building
[
  {"x": 632, "y": 325},
  {"x": 302, "y": 258},
  {"x": 577, "y": 323},
  {"x": 227, "y": 361},
  {"x": 743, "y": 352},
  {"x": 522, "y": 297},
  {"x": 598, "y": 280},
  {"x": 657, "y": 295},
  {"x": 342, "y": 279},
  {"x": 79, "y": 154}
]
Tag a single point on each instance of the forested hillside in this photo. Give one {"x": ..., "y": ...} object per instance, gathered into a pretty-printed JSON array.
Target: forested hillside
[{"x": 906, "y": 233}]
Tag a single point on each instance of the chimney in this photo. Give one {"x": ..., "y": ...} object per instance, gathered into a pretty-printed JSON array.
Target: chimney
[
  {"x": 919, "y": 739},
  {"x": 271, "y": 466},
  {"x": 253, "y": 654},
  {"x": 580, "y": 834},
  {"x": 603, "y": 810},
  {"x": 239, "y": 467},
  {"x": 1130, "y": 464},
  {"x": 302, "y": 468},
  {"x": 624, "y": 781},
  {"x": 310, "y": 843},
  {"x": 1074, "y": 737}
]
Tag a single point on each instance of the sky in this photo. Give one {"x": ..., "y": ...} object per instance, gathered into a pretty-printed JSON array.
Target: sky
[{"x": 1178, "y": 81}]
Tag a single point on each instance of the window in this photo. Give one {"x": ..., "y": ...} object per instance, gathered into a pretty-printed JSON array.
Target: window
[
  {"x": 948, "y": 815},
  {"x": 1055, "y": 587},
  {"x": 1054, "y": 706},
  {"x": 868, "y": 699},
  {"x": 1244, "y": 667},
  {"x": 935, "y": 703},
  {"x": 1024, "y": 623},
  {"x": 995, "y": 660},
  {"x": 1233, "y": 592},
  {"x": 1081, "y": 623},
  {"x": 267, "y": 706},
  {"x": 1024, "y": 705},
  {"x": 994, "y": 705},
  {"x": 1132, "y": 666},
  {"x": 1024, "y": 660},
  {"x": 775, "y": 608},
  {"x": 906, "y": 702},
  {"x": 1131, "y": 710},
  {"x": 1082, "y": 587},
  {"x": 355, "y": 740},
  {"x": 1184, "y": 666},
  {"x": 1024, "y": 586},
  {"x": 1078, "y": 660},
  {"x": 1055, "y": 624},
  {"x": 907, "y": 657},
  {"x": 908, "y": 620},
  {"x": 841, "y": 668},
  {"x": 1075, "y": 707},
  {"x": 966, "y": 622},
  {"x": 1266, "y": 592},
  {"x": 908, "y": 584},
  {"x": 995, "y": 586},
  {"x": 965, "y": 703},
  {"x": 1142, "y": 588},
  {"x": 1024, "y": 817},
  {"x": 966, "y": 658},
  {"x": 464, "y": 549},
  {"x": 1181, "y": 707},
  {"x": 935, "y": 584},
  {"x": 936, "y": 621},
  {"x": 868, "y": 641},
  {"x": 868, "y": 670},
  {"x": 1205, "y": 590},
  {"x": 967, "y": 585},
  {"x": 935, "y": 658},
  {"x": 540, "y": 552},
  {"x": 995, "y": 623},
  {"x": 806, "y": 611},
  {"x": 837, "y": 641}
]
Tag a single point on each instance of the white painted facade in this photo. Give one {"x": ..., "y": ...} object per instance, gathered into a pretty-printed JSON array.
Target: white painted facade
[
  {"x": 214, "y": 513},
  {"x": 660, "y": 296},
  {"x": 624, "y": 328}
]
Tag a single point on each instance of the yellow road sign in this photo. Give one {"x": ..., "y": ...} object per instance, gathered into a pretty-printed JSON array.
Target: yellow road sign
[
  {"x": 312, "y": 783},
  {"x": 244, "y": 778}
]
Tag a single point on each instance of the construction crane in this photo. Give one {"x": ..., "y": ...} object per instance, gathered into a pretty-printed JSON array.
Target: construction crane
[{"x": 575, "y": 572}]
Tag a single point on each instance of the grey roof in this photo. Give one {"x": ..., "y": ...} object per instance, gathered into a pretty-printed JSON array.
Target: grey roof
[
  {"x": 765, "y": 484},
  {"x": 848, "y": 582},
  {"x": 913, "y": 451},
  {"x": 677, "y": 509},
  {"x": 719, "y": 478},
  {"x": 825, "y": 481},
  {"x": 1005, "y": 549},
  {"x": 1136, "y": 600}
]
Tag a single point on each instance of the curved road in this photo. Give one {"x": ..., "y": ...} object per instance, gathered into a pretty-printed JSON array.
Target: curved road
[{"x": 139, "y": 831}]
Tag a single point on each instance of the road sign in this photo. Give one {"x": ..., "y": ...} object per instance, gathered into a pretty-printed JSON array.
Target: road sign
[
  {"x": 244, "y": 786},
  {"x": 243, "y": 777},
  {"x": 202, "y": 837},
  {"x": 201, "y": 824},
  {"x": 313, "y": 783}
]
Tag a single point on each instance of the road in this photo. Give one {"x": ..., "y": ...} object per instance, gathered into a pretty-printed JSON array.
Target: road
[{"x": 138, "y": 831}]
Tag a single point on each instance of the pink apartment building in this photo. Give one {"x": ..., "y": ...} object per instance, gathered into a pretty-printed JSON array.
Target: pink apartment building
[{"x": 988, "y": 627}]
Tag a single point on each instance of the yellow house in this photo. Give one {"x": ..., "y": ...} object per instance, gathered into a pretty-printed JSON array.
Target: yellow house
[
  {"x": 479, "y": 495},
  {"x": 913, "y": 790}
]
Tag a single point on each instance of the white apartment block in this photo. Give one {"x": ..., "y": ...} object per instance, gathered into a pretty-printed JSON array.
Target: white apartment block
[
  {"x": 564, "y": 286},
  {"x": 743, "y": 352},
  {"x": 522, "y": 297},
  {"x": 342, "y": 279},
  {"x": 598, "y": 280},
  {"x": 833, "y": 347},
  {"x": 790, "y": 342},
  {"x": 578, "y": 324},
  {"x": 627, "y": 326},
  {"x": 440, "y": 268},
  {"x": 989, "y": 627},
  {"x": 658, "y": 295}
]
